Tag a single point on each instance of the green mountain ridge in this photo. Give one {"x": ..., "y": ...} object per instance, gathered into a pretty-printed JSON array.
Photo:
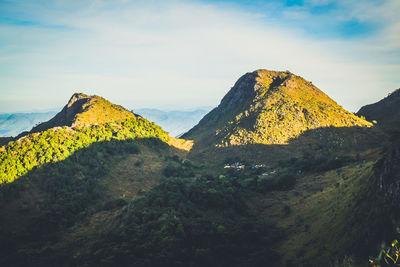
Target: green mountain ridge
[{"x": 83, "y": 121}]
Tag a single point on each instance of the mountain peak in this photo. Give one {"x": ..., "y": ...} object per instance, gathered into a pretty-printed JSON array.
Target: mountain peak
[
  {"x": 261, "y": 83},
  {"x": 85, "y": 110},
  {"x": 76, "y": 97},
  {"x": 270, "y": 107}
]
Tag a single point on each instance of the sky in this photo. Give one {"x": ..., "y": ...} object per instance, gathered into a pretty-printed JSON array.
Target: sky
[{"x": 187, "y": 54}]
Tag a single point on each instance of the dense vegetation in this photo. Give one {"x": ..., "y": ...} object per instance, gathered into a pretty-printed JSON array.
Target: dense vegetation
[
  {"x": 49, "y": 200},
  {"x": 71, "y": 185},
  {"x": 187, "y": 221},
  {"x": 18, "y": 157},
  {"x": 190, "y": 219}
]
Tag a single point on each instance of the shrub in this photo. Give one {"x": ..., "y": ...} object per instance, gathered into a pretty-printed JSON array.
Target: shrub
[{"x": 388, "y": 256}]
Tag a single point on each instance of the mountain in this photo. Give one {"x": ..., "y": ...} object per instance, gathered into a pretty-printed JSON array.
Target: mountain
[
  {"x": 16, "y": 123},
  {"x": 270, "y": 107},
  {"x": 175, "y": 122},
  {"x": 85, "y": 120},
  {"x": 114, "y": 189},
  {"x": 320, "y": 184},
  {"x": 119, "y": 192},
  {"x": 84, "y": 110},
  {"x": 385, "y": 112}
]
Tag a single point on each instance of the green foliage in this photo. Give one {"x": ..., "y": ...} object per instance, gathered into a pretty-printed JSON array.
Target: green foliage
[
  {"x": 183, "y": 170},
  {"x": 252, "y": 179},
  {"x": 284, "y": 182},
  {"x": 65, "y": 194},
  {"x": 388, "y": 256},
  {"x": 71, "y": 185},
  {"x": 190, "y": 222},
  {"x": 345, "y": 262},
  {"x": 187, "y": 220},
  {"x": 56, "y": 144},
  {"x": 311, "y": 163},
  {"x": 287, "y": 210}
]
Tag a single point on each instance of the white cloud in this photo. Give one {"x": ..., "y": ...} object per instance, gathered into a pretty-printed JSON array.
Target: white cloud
[{"x": 181, "y": 54}]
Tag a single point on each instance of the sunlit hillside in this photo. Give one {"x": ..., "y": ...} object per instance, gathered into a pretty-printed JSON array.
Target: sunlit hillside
[{"x": 269, "y": 107}]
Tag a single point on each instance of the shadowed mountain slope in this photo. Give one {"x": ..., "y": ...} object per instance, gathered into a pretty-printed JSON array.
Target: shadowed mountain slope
[
  {"x": 270, "y": 107},
  {"x": 386, "y": 111}
]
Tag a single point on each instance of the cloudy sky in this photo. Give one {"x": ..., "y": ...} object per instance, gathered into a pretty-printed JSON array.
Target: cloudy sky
[{"x": 186, "y": 54}]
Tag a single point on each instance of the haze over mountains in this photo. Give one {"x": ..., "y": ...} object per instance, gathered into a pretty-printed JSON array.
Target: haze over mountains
[
  {"x": 12, "y": 124},
  {"x": 277, "y": 175},
  {"x": 176, "y": 122}
]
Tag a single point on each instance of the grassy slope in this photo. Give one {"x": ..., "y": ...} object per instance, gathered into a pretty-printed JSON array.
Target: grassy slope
[
  {"x": 138, "y": 172},
  {"x": 268, "y": 107},
  {"x": 97, "y": 110},
  {"x": 318, "y": 215},
  {"x": 128, "y": 177},
  {"x": 324, "y": 215}
]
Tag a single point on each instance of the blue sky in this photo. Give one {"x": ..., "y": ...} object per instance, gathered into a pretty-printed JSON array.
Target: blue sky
[{"x": 182, "y": 54}]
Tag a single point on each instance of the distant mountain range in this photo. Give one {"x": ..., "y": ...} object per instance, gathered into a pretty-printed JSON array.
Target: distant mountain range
[
  {"x": 176, "y": 122},
  {"x": 12, "y": 124}
]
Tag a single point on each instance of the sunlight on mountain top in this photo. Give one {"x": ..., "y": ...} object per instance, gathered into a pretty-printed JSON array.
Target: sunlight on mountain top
[{"x": 270, "y": 107}]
